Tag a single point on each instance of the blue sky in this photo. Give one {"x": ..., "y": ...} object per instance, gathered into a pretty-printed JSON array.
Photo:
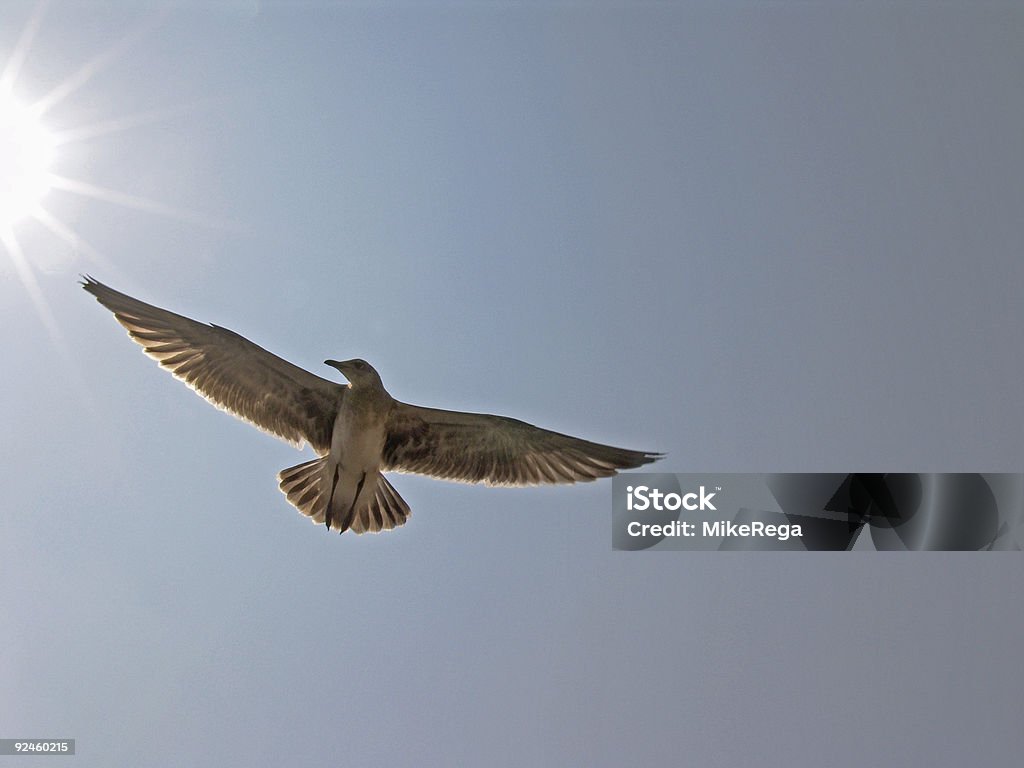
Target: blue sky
[{"x": 758, "y": 237}]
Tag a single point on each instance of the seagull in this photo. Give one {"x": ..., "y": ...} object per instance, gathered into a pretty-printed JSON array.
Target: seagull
[{"x": 358, "y": 430}]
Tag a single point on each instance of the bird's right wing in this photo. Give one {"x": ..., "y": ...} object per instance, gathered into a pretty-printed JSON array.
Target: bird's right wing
[
  {"x": 230, "y": 371},
  {"x": 496, "y": 450}
]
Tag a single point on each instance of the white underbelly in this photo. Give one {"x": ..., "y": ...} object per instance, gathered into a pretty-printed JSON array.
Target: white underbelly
[
  {"x": 358, "y": 449},
  {"x": 350, "y": 474}
]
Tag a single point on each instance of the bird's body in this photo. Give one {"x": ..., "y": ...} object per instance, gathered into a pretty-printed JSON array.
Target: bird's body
[
  {"x": 358, "y": 431},
  {"x": 357, "y": 443}
]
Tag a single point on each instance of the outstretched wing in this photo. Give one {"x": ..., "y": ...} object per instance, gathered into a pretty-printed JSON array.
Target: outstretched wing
[
  {"x": 496, "y": 450},
  {"x": 230, "y": 371}
]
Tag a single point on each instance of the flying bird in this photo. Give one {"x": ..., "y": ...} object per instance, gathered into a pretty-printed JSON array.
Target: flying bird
[{"x": 358, "y": 430}]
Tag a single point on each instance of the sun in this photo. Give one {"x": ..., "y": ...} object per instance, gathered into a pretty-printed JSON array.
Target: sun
[
  {"x": 28, "y": 183},
  {"x": 26, "y": 151}
]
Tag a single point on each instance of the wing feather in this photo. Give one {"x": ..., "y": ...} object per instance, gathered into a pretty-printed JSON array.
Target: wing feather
[
  {"x": 496, "y": 450},
  {"x": 230, "y": 371}
]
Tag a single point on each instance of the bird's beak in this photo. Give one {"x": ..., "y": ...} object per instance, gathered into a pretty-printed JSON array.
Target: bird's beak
[{"x": 335, "y": 364}]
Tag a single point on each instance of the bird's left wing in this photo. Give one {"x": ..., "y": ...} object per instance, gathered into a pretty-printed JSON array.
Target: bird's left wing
[
  {"x": 496, "y": 450},
  {"x": 230, "y": 371}
]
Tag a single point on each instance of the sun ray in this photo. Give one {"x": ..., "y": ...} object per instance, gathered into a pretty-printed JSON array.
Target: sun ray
[
  {"x": 21, "y": 48},
  {"x": 140, "y": 203},
  {"x": 28, "y": 280},
  {"x": 124, "y": 123},
  {"x": 72, "y": 238},
  {"x": 95, "y": 65}
]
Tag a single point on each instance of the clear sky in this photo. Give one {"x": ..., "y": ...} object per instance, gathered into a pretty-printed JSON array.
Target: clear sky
[{"x": 756, "y": 236}]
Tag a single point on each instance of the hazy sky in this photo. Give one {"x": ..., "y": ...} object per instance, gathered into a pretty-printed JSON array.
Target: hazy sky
[{"x": 756, "y": 236}]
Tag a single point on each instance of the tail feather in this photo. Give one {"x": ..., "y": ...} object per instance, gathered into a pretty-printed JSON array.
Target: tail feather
[
  {"x": 303, "y": 487},
  {"x": 387, "y": 510}
]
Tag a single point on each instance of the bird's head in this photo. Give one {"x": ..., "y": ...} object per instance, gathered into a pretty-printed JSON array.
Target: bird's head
[{"x": 358, "y": 372}]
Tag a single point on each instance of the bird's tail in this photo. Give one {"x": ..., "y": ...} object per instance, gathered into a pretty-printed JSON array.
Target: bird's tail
[{"x": 303, "y": 486}]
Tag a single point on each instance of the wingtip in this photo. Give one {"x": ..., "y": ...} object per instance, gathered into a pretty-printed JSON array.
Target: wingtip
[
  {"x": 649, "y": 457},
  {"x": 640, "y": 459}
]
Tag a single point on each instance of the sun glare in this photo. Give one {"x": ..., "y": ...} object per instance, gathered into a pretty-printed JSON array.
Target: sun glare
[
  {"x": 26, "y": 151},
  {"x": 28, "y": 183}
]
